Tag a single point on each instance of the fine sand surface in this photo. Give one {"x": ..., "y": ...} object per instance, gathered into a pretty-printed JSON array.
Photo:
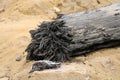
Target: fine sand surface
[{"x": 17, "y": 17}]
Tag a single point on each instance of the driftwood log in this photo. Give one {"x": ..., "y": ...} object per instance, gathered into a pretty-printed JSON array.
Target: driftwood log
[{"x": 76, "y": 34}]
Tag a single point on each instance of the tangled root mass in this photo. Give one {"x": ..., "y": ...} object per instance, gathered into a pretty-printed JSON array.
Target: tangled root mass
[{"x": 50, "y": 42}]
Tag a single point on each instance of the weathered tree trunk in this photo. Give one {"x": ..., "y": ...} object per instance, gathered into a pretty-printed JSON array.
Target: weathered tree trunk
[
  {"x": 94, "y": 29},
  {"x": 81, "y": 33}
]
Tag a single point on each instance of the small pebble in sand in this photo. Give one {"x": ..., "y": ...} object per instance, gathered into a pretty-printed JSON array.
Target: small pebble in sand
[{"x": 19, "y": 58}]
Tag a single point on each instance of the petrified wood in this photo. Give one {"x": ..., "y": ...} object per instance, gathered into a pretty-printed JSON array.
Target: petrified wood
[{"x": 76, "y": 34}]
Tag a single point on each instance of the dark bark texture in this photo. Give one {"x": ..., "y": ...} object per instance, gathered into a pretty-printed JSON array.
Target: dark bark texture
[{"x": 76, "y": 34}]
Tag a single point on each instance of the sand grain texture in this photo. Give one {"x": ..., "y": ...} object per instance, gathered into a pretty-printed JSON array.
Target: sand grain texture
[{"x": 17, "y": 17}]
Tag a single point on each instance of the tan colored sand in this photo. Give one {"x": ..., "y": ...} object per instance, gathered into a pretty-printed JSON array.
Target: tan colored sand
[{"x": 17, "y": 17}]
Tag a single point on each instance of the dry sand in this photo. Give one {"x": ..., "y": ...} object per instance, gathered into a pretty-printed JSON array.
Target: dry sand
[{"x": 17, "y": 17}]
